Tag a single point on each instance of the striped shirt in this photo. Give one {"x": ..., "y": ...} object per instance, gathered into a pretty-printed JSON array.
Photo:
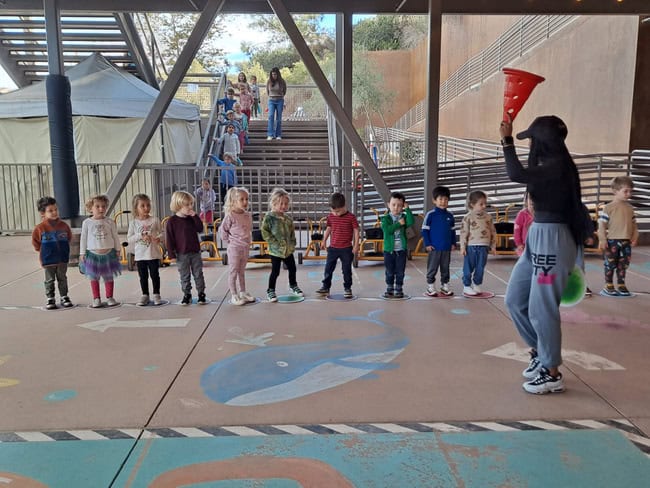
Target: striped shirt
[{"x": 342, "y": 229}]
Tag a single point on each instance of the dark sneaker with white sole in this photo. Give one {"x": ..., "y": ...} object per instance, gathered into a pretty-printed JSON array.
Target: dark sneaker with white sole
[
  {"x": 51, "y": 304},
  {"x": 623, "y": 291},
  {"x": 323, "y": 291},
  {"x": 347, "y": 293},
  {"x": 533, "y": 368},
  {"x": 609, "y": 290},
  {"x": 545, "y": 383}
]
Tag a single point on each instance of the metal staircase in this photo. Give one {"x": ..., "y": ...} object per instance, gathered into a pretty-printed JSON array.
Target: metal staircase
[{"x": 23, "y": 46}]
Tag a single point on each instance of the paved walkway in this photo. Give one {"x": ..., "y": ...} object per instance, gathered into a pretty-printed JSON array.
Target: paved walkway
[{"x": 368, "y": 393}]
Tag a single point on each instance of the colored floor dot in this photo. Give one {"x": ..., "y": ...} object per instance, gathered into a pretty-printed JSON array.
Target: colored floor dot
[
  {"x": 460, "y": 311},
  {"x": 61, "y": 395}
]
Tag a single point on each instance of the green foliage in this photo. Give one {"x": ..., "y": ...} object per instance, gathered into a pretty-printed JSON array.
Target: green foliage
[
  {"x": 172, "y": 31},
  {"x": 379, "y": 33}
]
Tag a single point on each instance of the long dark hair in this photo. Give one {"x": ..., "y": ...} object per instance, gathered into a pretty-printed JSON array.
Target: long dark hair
[{"x": 279, "y": 79}]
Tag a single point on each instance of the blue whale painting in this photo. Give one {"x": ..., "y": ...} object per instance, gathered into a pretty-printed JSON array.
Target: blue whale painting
[{"x": 278, "y": 373}]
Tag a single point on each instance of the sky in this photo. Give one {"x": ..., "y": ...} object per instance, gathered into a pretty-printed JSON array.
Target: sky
[{"x": 237, "y": 30}]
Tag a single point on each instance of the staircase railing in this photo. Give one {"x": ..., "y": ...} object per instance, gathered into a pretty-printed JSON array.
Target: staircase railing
[{"x": 212, "y": 130}]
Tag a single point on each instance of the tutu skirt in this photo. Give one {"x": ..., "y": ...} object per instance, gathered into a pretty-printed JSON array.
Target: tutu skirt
[{"x": 104, "y": 266}]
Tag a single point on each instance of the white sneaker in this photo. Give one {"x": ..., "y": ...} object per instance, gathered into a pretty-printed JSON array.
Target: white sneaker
[
  {"x": 477, "y": 289},
  {"x": 157, "y": 300},
  {"x": 97, "y": 303},
  {"x": 445, "y": 288},
  {"x": 545, "y": 383},
  {"x": 468, "y": 290},
  {"x": 269, "y": 138},
  {"x": 111, "y": 302},
  {"x": 237, "y": 301},
  {"x": 278, "y": 138},
  {"x": 431, "y": 289},
  {"x": 247, "y": 296},
  {"x": 144, "y": 300}
]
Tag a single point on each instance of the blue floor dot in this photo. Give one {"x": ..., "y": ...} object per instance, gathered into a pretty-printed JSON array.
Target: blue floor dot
[
  {"x": 61, "y": 395},
  {"x": 460, "y": 311}
]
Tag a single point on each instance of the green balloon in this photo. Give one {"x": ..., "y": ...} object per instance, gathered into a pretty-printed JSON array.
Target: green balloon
[{"x": 575, "y": 288}]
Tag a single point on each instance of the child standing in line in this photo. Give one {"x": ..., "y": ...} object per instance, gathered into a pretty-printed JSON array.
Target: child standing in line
[
  {"x": 278, "y": 230},
  {"x": 439, "y": 235},
  {"x": 343, "y": 231},
  {"x": 99, "y": 250},
  {"x": 241, "y": 117},
  {"x": 255, "y": 92},
  {"x": 617, "y": 234},
  {"x": 227, "y": 174},
  {"x": 393, "y": 225},
  {"x": 51, "y": 239},
  {"x": 144, "y": 235},
  {"x": 206, "y": 197},
  {"x": 229, "y": 141},
  {"x": 523, "y": 221},
  {"x": 246, "y": 101},
  {"x": 236, "y": 229},
  {"x": 478, "y": 237},
  {"x": 182, "y": 232}
]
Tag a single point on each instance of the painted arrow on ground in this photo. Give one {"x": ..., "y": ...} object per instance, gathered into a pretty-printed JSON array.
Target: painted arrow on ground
[
  {"x": 102, "y": 325},
  {"x": 584, "y": 359}
]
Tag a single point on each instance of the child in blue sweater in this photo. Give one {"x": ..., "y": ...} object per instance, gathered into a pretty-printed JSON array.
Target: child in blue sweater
[{"x": 439, "y": 238}]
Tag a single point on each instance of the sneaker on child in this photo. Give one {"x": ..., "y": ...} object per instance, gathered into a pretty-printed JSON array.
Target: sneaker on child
[
  {"x": 545, "y": 383},
  {"x": 468, "y": 290},
  {"x": 444, "y": 288},
  {"x": 157, "y": 300},
  {"x": 347, "y": 293},
  {"x": 610, "y": 290},
  {"x": 144, "y": 300},
  {"x": 201, "y": 300},
  {"x": 271, "y": 296},
  {"x": 236, "y": 300},
  {"x": 431, "y": 289},
  {"x": 296, "y": 291},
  {"x": 66, "y": 302},
  {"x": 187, "y": 299},
  {"x": 623, "y": 291},
  {"x": 477, "y": 289},
  {"x": 97, "y": 303},
  {"x": 323, "y": 291},
  {"x": 398, "y": 294},
  {"x": 247, "y": 297},
  {"x": 111, "y": 302},
  {"x": 51, "y": 304}
]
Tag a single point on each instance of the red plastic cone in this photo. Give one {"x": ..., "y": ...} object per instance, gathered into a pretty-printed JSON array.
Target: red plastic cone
[{"x": 518, "y": 87}]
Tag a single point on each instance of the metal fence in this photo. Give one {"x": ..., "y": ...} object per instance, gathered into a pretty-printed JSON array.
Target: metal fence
[
  {"x": 527, "y": 33},
  {"x": 310, "y": 187}
]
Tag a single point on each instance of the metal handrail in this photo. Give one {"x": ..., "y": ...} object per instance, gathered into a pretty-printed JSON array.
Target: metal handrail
[
  {"x": 522, "y": 37},
  {"x": 208, "y": 135}
]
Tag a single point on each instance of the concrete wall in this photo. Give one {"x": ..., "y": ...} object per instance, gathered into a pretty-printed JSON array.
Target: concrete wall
[{"x": 589, "y": 69}]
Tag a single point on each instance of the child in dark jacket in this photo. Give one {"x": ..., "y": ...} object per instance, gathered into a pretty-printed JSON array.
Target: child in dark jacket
[
  {"x": 439, "y": 238},
  {"x": 51, "y": 239}
]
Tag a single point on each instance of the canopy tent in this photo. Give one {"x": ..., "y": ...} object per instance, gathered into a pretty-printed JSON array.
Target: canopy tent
[{"x": 108, "y": 108}]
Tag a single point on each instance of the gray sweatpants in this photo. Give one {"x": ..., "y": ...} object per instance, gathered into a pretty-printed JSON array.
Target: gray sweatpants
[
  {"x": 535, "y": 289},
  {"x": 190, "y": 264}
]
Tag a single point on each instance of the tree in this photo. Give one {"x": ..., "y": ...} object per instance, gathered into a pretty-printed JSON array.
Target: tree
[
  {"x": 379, "y": 33},
  {"x": 172, "y": 31}
]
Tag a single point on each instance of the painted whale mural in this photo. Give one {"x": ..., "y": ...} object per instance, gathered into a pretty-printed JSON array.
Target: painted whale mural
[{"x": 278, "y": 373}]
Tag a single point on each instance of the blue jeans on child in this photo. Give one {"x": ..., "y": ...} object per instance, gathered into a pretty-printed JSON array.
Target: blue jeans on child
[
  {"x": 346, "y": 256},
  {"x": 395, "y": 264},
  {"x": 474, "y": 264}
]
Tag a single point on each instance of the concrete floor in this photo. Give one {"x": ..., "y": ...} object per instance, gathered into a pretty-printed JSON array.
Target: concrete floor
[{"x": 140, "y": 394}]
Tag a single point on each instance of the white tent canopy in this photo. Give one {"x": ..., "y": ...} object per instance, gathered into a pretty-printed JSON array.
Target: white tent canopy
[
  {"x": 97, "y": 88},
  {"x": 108, "y": 107}
]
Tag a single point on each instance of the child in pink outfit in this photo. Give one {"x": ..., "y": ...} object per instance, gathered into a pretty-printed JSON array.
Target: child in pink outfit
[
  {"x": 236, "y": 228},
  {"x": 523, "y": 221}
]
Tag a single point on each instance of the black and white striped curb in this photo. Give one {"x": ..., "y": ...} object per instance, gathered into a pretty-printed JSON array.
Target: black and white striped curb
[{"x": 624, "y": 426}]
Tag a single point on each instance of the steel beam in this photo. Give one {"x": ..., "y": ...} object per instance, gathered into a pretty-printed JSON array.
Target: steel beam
[
  {"x": 461, "y": 7},
  {"x": 344, "y": 89},
  {"x": 433, "y": 103},
  {"x": 155, "y": 116},
  {"x": 135, "y": 46},
  {"x": 330, "y": 97},
  {"x": 10, "y": 65},
  {"x": 53, "y": 37}
]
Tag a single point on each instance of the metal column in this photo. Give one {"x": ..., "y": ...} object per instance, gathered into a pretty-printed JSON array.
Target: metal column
[
  {"x": 433, "y": 103},
  {"x": 155, "y": 116},
  {"x": 59, "y": 113},
  {"x": 344, "y": 90},
  {"x": 330, "y": 97}
]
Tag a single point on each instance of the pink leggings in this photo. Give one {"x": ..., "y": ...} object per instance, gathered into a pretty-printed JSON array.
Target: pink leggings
[
  {"x": 237, "y": 259},
  {"x": 94, "y": 286}
]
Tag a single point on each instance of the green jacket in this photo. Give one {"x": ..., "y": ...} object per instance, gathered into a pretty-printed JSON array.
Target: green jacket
[
  {"x": 389, "y": 227},
  {"x": 280, "y": 234}
]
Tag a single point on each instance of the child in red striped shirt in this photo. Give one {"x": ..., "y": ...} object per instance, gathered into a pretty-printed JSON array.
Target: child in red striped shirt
[{"x": 343, "y": 232}]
